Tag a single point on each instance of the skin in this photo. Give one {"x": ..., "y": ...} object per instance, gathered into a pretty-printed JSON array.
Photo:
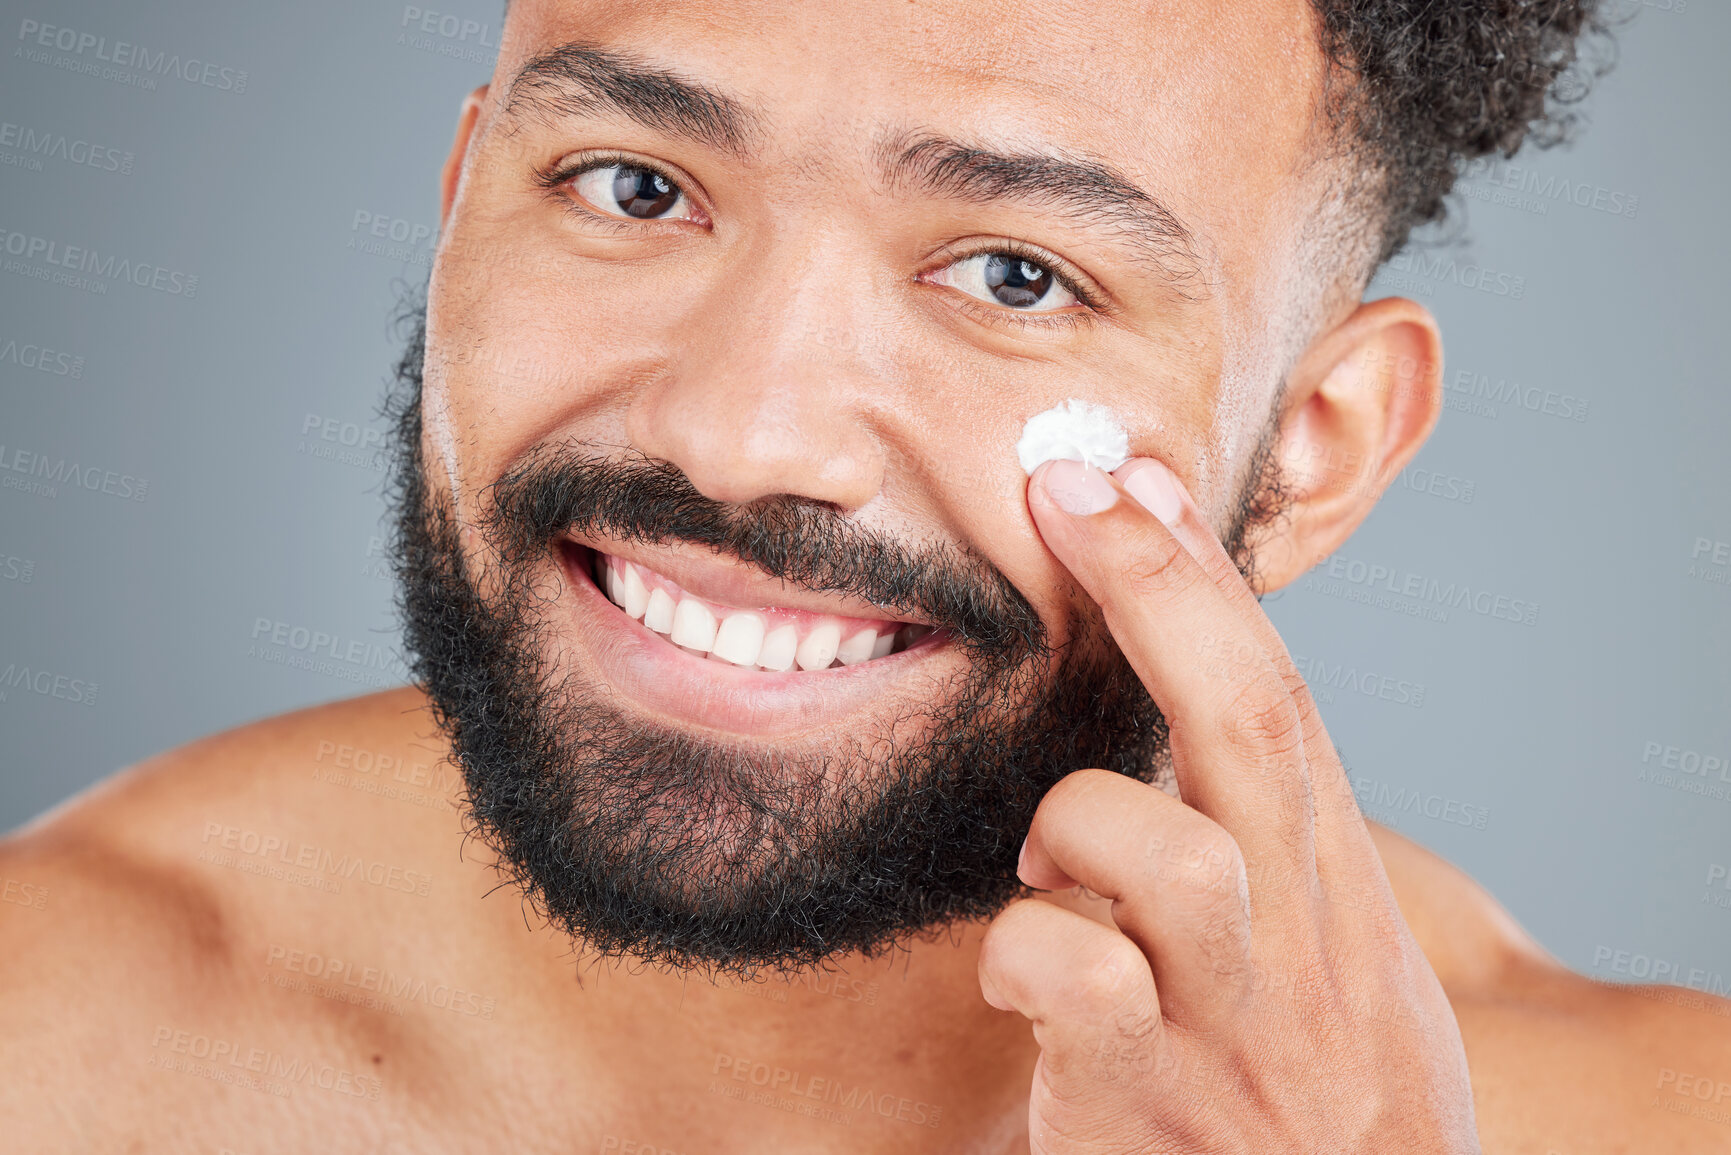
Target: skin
[{"x": 1250, "y": 969}]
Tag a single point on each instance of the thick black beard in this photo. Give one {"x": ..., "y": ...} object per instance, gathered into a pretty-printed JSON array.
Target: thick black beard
[{"x": 647, "y": 842}]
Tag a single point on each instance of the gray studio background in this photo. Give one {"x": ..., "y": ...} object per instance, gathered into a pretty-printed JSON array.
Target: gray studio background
[{"x": 227, "y": 493}]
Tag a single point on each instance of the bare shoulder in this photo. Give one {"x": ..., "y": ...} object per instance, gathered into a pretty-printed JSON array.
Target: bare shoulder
[
  {"x": 1563, "y": 1064},
  {"x": 133, "y": 914}
]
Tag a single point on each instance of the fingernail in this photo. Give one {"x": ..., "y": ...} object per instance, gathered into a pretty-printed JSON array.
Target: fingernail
[
  {"x": 1077, "y": 488},
  {"x": 1021, "y": 858},
  {"x": 1153, "y": 486}
]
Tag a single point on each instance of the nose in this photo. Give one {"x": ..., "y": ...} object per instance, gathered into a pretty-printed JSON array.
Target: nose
[{"x": 767, "y": 387}]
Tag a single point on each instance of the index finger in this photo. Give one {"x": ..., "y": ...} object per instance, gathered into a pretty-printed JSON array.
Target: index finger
[
  {"x": 1340, "y": 825},
  {"x": 1241, "y": 719}
]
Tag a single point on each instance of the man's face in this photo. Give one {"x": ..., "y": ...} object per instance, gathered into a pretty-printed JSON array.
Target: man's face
[{"x": 754, "y": 299}]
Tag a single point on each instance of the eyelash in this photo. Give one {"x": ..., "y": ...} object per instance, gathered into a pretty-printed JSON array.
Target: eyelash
[
  {"x": 1084, "y": 294},
  {"x": 554, "y": 178}
]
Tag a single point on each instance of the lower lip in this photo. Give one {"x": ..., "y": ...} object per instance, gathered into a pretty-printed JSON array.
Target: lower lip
[{"x": 660, "y": 679}]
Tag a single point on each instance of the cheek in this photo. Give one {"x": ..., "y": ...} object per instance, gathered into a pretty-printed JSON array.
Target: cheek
[
  {"x": 965, "y": 473},
  {"x": 522, "y": 349},
  {"x": 966, "y": 479},
  {"x": 442, "y": 439}
]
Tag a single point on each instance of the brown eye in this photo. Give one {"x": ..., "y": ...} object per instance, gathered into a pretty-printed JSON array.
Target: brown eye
[
  {"x": 1015, "y": 282},
  {"x": 633, "y": 191},
  {"x": 1008, "y": 279}
]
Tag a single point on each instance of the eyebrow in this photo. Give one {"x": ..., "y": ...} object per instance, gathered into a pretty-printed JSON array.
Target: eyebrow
[
  {"x": 1091, "y": 191},
  {"x": 577, "y": 80},
  {"x": 581, "y": 80}
]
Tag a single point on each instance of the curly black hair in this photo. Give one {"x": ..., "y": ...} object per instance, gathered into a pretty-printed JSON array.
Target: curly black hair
[{"x": 1432, "y": 84}]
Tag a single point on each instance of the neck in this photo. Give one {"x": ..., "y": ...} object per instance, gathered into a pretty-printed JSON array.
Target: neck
[{"x": 899, "y": 1052}]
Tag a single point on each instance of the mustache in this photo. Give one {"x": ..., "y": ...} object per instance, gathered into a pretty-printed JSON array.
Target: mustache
[{"x": 584, "y": 488}]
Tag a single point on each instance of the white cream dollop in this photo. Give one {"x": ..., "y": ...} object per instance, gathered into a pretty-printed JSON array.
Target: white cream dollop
[{"x": 1074, "y": 430}]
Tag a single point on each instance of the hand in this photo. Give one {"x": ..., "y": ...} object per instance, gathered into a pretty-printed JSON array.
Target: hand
[{"x": 1261, "y": 992}]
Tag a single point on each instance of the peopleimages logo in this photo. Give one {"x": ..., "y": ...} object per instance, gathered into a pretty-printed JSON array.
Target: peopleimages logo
[
  {"x": 1386, "y": 804},
  {"x": 1467, "y": 384},
  {"x": 353, "y": 659},
  {"x": 1704, "y": 774},
  {"x": 42, "y": 475},
  {"x": 133, "y": 64},
  {"x": 1324, "y": 679},
  {"x": 347, "y": 976},
  {"x": 1472, "y": 275},
  {"x": 303, "y": 863},
  {"x": 1685, "y": 760},
  {"x": 1466, "y": 389},
  {"x": 1710, "y": 561},
  {"x": 394, "y": 238},
  {"x": 33, "y": 145},
  {"x": 345, "y": 442},
  {"x": 252, "y": 1066},
  {"x": 46, "y": 683},
  {"x": 83, "y": 263},
  {"x": 800, "y": 1093},
  {"x": 27, "y": 355},
  {"x": 445, "y": 34},
  {"x": 1498, "y": 181},
  {"x": 1652, "y": 968},
  {"x": 1417, "y": 595}
]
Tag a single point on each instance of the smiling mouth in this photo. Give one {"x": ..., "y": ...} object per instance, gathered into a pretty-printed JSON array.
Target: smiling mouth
[{"x": 772, "y": 639}]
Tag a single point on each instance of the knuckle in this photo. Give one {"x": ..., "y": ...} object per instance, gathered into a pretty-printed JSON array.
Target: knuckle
[
  {"x": 1301, "y": 695},
  {"x": 1157, "y": 564},
  {"x": 1016, "y": 921},
  {"x": 1127, "y": 1050},
  {"x": 1015, "y": 925},
  {"x": 1208, "y": 865},
  {"x": 1081, "y": 796},
  {"x": 1114, "y": 978},
  {"x": 1230, "y": 657},
  {"x": 1076, "y": 786},
  {"x": 1223, "y": 941},
  {"x": 1260, "y": 723}
]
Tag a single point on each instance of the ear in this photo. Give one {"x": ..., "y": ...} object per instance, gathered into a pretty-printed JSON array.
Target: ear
[
  {"x": 466, "y": 118},
  {"x": 1359, "y": 404}
]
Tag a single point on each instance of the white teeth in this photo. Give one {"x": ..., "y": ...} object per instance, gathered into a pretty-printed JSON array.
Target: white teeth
[
  {"x": 818, "y": 649},
  {"x": 740, "y": 639},
  {"x": 857, "y": 648},
  {"x": 744, "y": 638},
  {"x": 635, "y": 593},
  {"x": 693, "y": 625},
  {"x": 658, "y": 614},
  {"x": 778, "y": 649}
]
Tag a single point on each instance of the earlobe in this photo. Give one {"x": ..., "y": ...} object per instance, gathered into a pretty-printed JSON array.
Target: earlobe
[
  {"x": 453, "y": 170},
  {"x": 1359, "y": 405}
]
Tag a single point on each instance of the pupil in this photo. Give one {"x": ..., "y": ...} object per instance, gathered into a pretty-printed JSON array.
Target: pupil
[
  {"x": 1014, "y": 281},
  {"x": 643, "y": 193}
]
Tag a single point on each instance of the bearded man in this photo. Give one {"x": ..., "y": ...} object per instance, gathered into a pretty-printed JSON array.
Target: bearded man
[{"x": 791, "y": 764}]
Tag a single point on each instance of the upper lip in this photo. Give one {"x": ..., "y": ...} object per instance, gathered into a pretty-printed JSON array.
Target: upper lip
[{"x": 724, "y": 581}]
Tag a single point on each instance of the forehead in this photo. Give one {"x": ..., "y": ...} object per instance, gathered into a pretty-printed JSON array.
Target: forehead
[{"x": 1209, "y": 101}]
